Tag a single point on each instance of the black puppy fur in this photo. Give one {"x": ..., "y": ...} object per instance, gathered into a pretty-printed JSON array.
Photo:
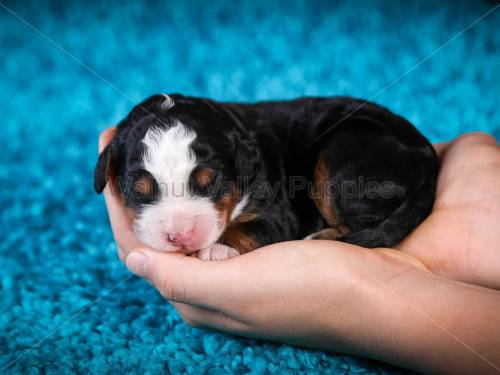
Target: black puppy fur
[{"x": 307, "y": 165}]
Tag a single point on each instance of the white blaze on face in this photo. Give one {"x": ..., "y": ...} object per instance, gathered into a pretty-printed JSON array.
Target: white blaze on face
[{"x": 195, "y": 220}]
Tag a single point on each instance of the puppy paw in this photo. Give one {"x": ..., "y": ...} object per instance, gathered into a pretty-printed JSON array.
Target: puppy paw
[{"x": 217, "y": 252}]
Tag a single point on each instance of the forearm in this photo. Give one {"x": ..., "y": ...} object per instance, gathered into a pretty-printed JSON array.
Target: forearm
[{"x": 418, "y": 320}]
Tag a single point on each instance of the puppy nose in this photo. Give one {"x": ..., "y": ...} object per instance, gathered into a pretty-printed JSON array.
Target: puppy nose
[{"x": 180, "y": 238}]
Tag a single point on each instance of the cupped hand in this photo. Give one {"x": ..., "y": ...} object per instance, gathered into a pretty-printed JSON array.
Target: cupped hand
[
  {"x": 461, "y": 237},
  {"x": 248, "y": 294},
  {"x": 327, "y": 294}
]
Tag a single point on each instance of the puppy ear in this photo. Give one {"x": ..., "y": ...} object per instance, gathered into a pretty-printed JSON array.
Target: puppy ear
[{"x": 104, "y": 168}]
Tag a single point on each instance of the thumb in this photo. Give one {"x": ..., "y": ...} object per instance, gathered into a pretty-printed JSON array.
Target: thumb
[{"x": 182, "y": 278}]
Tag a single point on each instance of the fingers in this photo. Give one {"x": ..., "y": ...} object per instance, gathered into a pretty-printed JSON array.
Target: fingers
[
  {"x": 403, "y": 257},
  {"x": 186, "y": 279},
  {"x": 474, "y": 137},
  {"x": 121, "y": 224},
  {"x": 441, "y": 148},
  {"x": 200, "y": 317},
  {"x": 121, "y": 254},
  {"x": 478, "y": 138},
  {"x": 105, "y": 137}
]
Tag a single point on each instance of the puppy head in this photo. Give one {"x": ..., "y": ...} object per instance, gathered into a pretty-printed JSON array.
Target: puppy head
[{"x": 178, "y": 163}]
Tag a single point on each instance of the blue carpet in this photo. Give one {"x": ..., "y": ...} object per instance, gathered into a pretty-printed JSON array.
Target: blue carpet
[{"x": 56, "y": 250}]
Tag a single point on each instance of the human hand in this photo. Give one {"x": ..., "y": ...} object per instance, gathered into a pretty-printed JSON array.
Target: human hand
[
  {"x": 461, "y": 237},
  {"x": 321, "y": 294},
  {"x": 249, "y": 294}
]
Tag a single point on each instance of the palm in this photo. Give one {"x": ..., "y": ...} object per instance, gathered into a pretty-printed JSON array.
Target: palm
[{"x": 461, "y": 237}]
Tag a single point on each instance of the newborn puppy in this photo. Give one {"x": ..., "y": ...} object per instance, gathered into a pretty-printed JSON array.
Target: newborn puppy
[{"x": 222, "y": 179}]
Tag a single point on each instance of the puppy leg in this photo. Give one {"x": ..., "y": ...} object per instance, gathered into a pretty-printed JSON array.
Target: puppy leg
[
  {"x": 329, "y": 233},
  {"x": 321, "y": 194},
  {"x": 381, "y": 186}
]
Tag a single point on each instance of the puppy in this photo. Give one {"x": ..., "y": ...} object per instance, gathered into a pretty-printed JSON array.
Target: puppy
[{"x": 222, "y": 179}]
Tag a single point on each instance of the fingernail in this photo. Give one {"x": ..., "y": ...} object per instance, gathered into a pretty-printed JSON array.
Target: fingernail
[{"x": 136, "y": 263}]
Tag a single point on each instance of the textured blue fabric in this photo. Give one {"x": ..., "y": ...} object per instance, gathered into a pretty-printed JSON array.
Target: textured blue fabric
[{"x": 56, "y": 251}]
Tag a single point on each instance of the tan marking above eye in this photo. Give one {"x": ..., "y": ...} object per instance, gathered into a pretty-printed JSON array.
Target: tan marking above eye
[
  {"x": 204, "y": 176},
  {"x": 144, "y": 185}
]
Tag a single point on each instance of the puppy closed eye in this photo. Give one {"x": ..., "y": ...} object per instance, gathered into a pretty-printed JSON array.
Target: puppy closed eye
[{"x": 143, "y": 186}]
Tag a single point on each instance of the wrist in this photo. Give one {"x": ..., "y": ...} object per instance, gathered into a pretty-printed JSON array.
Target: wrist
[
  {"x": 401, "y": 304},
  {"x": 371, "y": 303},
  {"x": 352, "y": 301}
]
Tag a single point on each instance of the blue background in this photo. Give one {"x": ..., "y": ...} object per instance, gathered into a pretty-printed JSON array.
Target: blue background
[{"x": 56, "y": 249}]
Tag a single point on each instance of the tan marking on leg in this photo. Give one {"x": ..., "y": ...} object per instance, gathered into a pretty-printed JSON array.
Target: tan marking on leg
[
  {"x": 235, "y": 237},
  {"x": 247, "y": 215},
  {"x": 330, "y": 233},
  {"x": 227, "y": 204},
  {"x": 321, "y": 196}
]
